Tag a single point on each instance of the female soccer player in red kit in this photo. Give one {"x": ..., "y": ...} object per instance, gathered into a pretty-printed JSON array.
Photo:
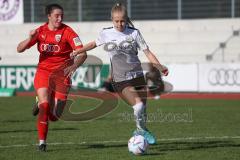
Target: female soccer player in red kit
[{"x": 55, "y": 41}]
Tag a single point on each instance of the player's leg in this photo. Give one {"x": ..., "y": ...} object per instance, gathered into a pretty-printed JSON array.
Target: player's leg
[
  {"x": 41, "y": 80},
  {"x": 127, "y": 92},
  {"x": 35, "y": 108},
  {"x": 135, "y": 94},
  {"x": 42, "y": 121},
  {"x": 137, "y": 98},
  {"x": 59, "y": 98},
  {"x": 60, "y": 104},
  {"x": 52, "y": 103},
  {"x": 145, "y": 132},
  {"x": 57, "y": 106},
  {"x": 57, "y": 102},
  {"x": 41, "y": 87},
  {"x": 131, "y": 96}
]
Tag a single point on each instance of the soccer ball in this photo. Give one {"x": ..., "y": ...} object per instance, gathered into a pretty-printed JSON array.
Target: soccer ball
[{"x": 137, "y": 145}]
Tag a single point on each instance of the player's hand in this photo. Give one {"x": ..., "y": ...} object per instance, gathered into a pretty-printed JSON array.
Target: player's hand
[
  {"x": 164, "y": 70},
  {"x": 73, "y": 55},
  {"x": 33, "y": 33}
]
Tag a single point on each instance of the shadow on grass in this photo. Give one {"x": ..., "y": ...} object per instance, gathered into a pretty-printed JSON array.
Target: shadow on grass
[
  {"x": 104, "y": 146},
  {"x": 78, "y": 147},
  {"x": 193, "y": 145},
  {"x": 159, "y": 149},
  {"x": 35, "y": 130},
  {"x": 162, "y": 148},
  {"x": 15, "y": 121}
]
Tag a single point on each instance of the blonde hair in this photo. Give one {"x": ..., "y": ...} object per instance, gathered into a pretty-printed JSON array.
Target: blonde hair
[{"x": 119, "y": 7}]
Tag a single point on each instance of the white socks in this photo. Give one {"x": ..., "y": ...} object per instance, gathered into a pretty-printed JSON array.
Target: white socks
[
  {"x": 140, "y": 115},
  {"x": 42, "y": 142}
]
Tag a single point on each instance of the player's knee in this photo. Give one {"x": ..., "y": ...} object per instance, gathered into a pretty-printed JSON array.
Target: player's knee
[{"x": 138, "y": 108}]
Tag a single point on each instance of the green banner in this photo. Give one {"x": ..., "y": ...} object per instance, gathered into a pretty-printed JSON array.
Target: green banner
[
  {"x": 7, "y": 92},
  {"x": 21, "y": 77}
]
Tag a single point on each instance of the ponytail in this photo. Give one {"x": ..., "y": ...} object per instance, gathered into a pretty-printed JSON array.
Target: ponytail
[{"x": 129, "y": 22}]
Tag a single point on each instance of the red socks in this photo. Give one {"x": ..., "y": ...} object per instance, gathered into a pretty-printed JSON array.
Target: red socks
[{"x": 42, "y": 122}]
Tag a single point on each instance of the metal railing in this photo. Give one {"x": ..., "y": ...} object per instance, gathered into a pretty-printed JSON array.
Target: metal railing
[
  {"x": 222, "y": 46},
  {"x": 99, "y": 10}
]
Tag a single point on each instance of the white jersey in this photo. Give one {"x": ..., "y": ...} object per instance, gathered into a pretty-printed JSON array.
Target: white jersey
[{"x": 123, "y": 50}]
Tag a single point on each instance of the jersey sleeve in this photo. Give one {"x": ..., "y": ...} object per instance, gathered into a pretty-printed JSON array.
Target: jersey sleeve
[
  {"x": 73, "y": 39},
  {"x": 100, "y": 39},
  {"x": 142, "y": 45}
]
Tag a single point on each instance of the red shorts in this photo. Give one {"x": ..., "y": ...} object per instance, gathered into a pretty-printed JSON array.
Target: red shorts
[{"x": 57, "y": 84}]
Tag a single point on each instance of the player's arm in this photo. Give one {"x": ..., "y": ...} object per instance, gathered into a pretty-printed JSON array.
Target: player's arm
[
  {"x": 152, "y": 58},
  {"x": 86, "y": 47},
  {"x": 22, "y": 46},
  {"x": 91, "y": 45},
  {"x": 80, "y": 58},
  {"x": 76, "y": 44},
  {"x": 78, "y": 61}
]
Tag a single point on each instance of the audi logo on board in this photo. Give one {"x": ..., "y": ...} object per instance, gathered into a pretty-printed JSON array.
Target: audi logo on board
[{"x": 224, "y": 77}]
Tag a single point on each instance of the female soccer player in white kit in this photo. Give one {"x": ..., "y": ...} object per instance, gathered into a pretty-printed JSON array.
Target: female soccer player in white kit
[{"x": 122, "y": 43}]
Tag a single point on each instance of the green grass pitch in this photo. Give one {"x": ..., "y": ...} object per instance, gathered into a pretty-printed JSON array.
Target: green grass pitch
[{"x": 187, "y": 129}]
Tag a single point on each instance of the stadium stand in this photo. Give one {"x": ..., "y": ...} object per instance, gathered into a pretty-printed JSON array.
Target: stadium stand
[{"x": 173, "y": 40}]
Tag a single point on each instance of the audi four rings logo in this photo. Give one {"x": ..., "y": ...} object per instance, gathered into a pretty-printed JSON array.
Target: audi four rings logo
[
  {"x": 125, "y": 45},
  {"x": 224, "y": 77},
  {"x": 50, "y": 48}
]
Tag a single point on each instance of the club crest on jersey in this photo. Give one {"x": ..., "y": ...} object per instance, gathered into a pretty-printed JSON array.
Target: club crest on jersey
[
  {"x": 58, "y": 37},
  {"x": 129, "y": 38}
]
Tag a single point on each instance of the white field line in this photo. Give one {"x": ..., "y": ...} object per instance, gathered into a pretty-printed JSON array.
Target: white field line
[{"x": 121, "y": 141}]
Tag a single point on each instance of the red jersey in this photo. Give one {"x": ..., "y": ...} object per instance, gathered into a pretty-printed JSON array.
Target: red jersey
[{"x": 55, "y": 46}]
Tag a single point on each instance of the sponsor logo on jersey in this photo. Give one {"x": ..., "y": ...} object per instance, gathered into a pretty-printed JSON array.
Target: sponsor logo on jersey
[
  {"x": 58, "y": 37},
  {"x": 77, "y": 41},
  {"x": 123, "y": 46},
  {"x": 49, "y": 48}
]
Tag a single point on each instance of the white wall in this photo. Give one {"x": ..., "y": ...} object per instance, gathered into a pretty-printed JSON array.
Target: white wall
[
  {"x": 204, "y": 77},
  {"x": 173, "y": 41}
]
